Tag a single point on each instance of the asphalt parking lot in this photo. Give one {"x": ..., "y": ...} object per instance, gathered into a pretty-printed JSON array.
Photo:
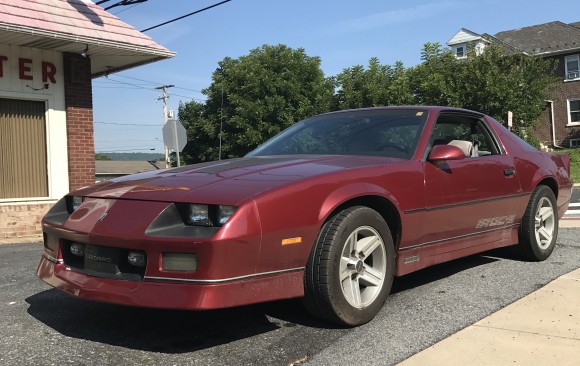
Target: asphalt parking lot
[{"x": 42, "y": 326}]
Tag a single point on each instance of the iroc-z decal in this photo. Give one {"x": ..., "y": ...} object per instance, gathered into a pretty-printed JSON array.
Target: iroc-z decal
[{"x": 495, "y": 221}]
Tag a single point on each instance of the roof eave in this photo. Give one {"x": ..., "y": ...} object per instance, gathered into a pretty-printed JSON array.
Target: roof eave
[
  {"x": 126, "y": 67},
  {"x": 161, "y": 52},
  {"x": 558, "y": 52}
]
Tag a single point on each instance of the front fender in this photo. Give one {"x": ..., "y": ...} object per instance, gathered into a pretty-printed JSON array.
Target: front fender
[{"x": 351, "y": 192}]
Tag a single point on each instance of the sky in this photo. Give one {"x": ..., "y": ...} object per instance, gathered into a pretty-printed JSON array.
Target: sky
[{"x": 128, "y": 115}]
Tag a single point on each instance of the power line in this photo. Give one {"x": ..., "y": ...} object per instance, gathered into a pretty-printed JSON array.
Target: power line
[
  {"x": 187, "y": 15},
  {"x": 154, "y": 83},
  {"x": 120, "y": 11},
  {"x": 151, "y": 89},
  {"x": 128, "y": 124},
  {"x": 113, "y": 151},
  {"x": 120, "y": 3}
]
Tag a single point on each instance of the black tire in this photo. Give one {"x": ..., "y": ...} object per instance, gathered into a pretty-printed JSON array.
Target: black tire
[
  {"x": 371, "y": 275},
  {"x": 538, "y": 234}
]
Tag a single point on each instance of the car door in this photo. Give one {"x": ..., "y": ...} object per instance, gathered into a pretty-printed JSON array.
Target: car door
[{"x": 470, "y": 197}]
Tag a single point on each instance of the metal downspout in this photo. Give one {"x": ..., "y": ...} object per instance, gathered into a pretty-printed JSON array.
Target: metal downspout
[{"x": 553, "y": 125}]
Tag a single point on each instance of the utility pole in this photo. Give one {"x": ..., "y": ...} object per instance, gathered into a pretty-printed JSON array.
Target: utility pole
[{"x": 164, "y": 97}]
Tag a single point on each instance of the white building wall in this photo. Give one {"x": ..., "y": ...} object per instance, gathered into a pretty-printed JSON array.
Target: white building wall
[{"x": 12, "y": 87}]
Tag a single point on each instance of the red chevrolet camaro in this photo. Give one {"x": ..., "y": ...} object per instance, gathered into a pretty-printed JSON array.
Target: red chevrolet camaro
[{"x": 330, "y": 210}]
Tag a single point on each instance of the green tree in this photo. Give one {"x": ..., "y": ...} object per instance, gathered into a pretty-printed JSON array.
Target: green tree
[
  {"x": 493, "y": 83},
  {"x": 378, "y": 85},
  {"x": 254, "y": 97},
  {"x": 99, "y": 156}
]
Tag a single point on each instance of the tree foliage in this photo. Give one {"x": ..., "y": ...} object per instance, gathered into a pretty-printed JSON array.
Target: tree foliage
[
  {"x": 254, "y": 97},
  {"x": 257, "y": 95},
  {"x": 378, "y": 85},
  {"x": 492, "y": 83},
  {"x": 100, "y": 156}
]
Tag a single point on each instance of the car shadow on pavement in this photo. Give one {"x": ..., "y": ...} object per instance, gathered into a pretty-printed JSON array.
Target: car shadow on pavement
[
  {"x": 438, "y": 272},
  {"x": 182, "y": 331},
  {"x": 156, "y": 330}
]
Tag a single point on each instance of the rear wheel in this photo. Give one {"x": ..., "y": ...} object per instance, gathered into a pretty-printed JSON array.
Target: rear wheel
[
  {"x": 539, "y": 228},
  {"x": 350, "y": 270}
]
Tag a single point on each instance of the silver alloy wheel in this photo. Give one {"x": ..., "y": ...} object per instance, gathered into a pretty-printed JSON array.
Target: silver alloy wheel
[
  {"x": 363, "y": 266},
  {"x": 544, "y": 223}
]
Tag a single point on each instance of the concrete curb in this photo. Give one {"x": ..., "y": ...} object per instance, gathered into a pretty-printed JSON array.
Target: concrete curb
[{"x": 542, "y": 328}]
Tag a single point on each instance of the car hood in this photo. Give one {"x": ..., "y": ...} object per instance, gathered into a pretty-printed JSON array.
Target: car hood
[{"x": 226, "y": 181}]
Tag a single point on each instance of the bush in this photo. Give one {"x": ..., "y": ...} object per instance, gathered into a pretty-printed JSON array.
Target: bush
[{"x": 574, "y": 155}]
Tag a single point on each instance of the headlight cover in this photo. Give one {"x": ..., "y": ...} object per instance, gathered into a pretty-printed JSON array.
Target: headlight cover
[
  {"x": 224, "y": 213},
  {"x": 198, "y": 215},
  {"x": 205, "y": 215}
]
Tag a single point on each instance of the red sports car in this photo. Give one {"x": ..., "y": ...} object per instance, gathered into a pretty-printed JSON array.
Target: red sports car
[{"x": 330, "y": 209}]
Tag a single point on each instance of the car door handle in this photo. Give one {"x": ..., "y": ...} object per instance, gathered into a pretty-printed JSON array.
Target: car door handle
[{"x": 509, "y": 172}]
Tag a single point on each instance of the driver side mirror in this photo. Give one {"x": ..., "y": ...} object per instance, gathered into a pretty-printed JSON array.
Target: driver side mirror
[{"x": 441, "y": 153}]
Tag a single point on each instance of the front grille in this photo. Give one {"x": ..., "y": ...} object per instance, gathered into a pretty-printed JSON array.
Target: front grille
[{"x": 101, "y": 261}]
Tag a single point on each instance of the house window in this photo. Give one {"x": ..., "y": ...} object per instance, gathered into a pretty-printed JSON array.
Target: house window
[
  {"x": 572, "y": 67},
  {"x": 573, "y": 111},
  {"x": 574, "y": 143},
  {"x": 460, "y": 52}
]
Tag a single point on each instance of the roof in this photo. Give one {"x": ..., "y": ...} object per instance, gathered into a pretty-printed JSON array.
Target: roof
[
  {"x": 549, "y": 38},
  {"x": 73, "y": 25},
  {"x": 464, "y": 35},
  {"x": 118, "y": 167}
]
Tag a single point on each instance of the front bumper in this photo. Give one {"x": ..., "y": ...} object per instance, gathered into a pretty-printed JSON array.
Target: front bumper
[
  {"x": 227, "y": 271},
  {"x": 173, "y": 293}
]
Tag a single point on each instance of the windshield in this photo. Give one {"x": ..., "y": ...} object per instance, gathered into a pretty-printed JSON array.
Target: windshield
[{"x": 376, "y": 132}]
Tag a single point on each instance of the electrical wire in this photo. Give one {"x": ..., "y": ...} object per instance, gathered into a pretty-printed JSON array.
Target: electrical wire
[
  {"x": 152, "y": 82},
  {"x": 122, "y": 10},
  {"x": 186, "y": 15},
  {"x": 152, "y": 89},
  {"x": 128, "y": 124}
]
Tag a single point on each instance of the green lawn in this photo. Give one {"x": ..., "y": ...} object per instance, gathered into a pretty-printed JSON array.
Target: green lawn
[{"x": 574, "y": 155}]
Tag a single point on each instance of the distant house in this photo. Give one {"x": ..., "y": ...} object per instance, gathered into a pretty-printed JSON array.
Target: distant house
[
  {"x": 559, "y": 125},
  {"x": 109, "y": 169},
  {"x": 50, "y": 50}
]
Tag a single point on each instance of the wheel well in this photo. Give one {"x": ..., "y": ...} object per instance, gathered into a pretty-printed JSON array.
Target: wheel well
[
  {"x": 383, "y": 206},
  {"x": 550, "y": 183}
]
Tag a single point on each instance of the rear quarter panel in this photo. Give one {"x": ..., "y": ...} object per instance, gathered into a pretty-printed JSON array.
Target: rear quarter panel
[{"x": 534, "y": 167}]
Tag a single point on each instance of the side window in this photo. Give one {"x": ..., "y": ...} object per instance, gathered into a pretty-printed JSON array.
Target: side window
[{"x": 468, "y": 134}]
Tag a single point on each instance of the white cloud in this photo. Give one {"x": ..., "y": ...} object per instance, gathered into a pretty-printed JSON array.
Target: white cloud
[{"x": 396, "y": 17}]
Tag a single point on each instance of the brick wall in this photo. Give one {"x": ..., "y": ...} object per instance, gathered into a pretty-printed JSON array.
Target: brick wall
[
  {"x": 560, "y": 96},
  {"x": 22, "y": 221},
  {"x": 79, "y": 120}
]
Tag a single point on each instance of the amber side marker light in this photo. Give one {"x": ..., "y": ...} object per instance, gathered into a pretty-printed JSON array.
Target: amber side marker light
[{"x": 290, "y": 241}]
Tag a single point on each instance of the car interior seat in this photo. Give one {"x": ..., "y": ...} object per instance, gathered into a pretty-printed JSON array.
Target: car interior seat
[{"x": 465, "y": 146}]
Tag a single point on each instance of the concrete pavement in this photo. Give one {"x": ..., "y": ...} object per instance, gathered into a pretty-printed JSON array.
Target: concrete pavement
[{"x": 542, "y": 328}]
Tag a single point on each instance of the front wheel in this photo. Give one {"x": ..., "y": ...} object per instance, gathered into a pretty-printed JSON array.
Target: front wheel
[
  {"x": 350, "y": 270},
  {"x": 539, "y": 228}
]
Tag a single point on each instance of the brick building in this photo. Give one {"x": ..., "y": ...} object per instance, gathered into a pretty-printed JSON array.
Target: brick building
[
  {"x": 559, "y": 125},
  {"x": 50, "y": 50}
]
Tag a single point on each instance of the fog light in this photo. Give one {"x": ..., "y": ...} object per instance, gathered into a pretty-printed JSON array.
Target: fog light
[
  {"x": 179, "y": 262},
  {"x": 77, "y": 249},
  {"x": 136, "y": 258}
]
